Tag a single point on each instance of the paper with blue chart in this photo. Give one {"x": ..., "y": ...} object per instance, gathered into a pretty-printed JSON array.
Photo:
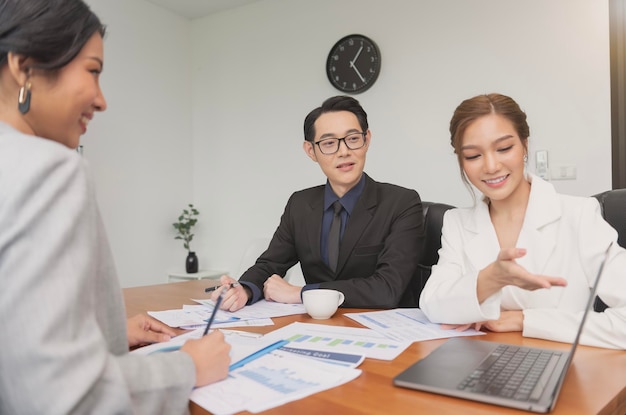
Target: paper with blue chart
[
  {"x": 269, "y": 376},
  {"x": 242, "y": 344},
  {"x": 260, "y": 309},
  {"x": 257, "y": 314},
  {"x": 269, "y": 381},
  {"x": 351, "y": 340},
  {"x": 406, "y": 324}
]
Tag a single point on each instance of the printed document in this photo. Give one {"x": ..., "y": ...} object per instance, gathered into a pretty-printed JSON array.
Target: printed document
[
  {"x": 195, "y": 316},
  {"x": 406, "y": 324},
  {"x": 350, "y": 340},
  {"x": 269, "y": 381}
]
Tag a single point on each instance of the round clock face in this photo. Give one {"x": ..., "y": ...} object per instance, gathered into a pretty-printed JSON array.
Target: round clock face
[{"x": 353, "y": 64}]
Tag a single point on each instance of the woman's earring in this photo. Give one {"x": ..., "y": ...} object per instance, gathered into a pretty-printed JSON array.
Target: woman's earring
[
  {"x": 525, "y": 158},
  {"x": 23, "y": 100}
]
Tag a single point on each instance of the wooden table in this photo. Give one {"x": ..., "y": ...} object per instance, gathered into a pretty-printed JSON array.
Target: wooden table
[{"x": 595, "y": 384}]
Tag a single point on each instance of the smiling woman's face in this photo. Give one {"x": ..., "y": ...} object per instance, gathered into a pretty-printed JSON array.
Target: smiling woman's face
[
  {"x": 63, "y": 104},
  {"x": 492, "y": 156}
]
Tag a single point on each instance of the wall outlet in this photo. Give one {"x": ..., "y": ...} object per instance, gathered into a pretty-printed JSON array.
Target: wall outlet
[{"x": 563, "y": 172}]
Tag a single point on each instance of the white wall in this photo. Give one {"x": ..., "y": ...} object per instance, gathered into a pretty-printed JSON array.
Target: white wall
[
  {"x": 258, "y": 70},
  {"x": 232, "y": 90},
  {"x": 140, "y": 148}
]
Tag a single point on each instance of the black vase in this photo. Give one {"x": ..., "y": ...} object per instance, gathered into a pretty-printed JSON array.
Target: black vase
[{"x": 191, "y": 264}]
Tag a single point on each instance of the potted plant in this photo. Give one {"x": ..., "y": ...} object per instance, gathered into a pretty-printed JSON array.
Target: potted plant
[{"x": 186, "y": 221}]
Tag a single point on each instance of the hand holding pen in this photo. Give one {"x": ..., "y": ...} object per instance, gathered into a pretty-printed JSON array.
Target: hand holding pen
[
  {"x": 218, "y": 302},
  {"x": 227, "y": 287},
  {"x": 210, "y": 354},
  {"x": 235, "y": 293}
]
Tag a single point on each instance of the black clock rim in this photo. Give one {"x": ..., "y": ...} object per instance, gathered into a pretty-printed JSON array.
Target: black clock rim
[{"x": 365, "y": 87}]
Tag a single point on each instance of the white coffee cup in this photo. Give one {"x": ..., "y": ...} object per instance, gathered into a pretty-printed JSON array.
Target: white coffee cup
[{"x": 322, "y": 303}]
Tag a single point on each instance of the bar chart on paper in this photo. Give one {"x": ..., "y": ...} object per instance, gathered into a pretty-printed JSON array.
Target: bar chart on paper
[
  {"x": 272, "y": 379},
  {"x": 341, "y": 342},
  {"x": 282, "y": 380},
  {"x": 349, "y": 340}
]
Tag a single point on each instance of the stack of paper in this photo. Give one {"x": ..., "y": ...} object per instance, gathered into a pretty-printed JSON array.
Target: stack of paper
[
  {"x": 265, "y": 372},
  {"x": 271, "y": 380},
  {"x": 406, "y": 324},
  {"x": 268, "y": 371},
  {"x": 257, "y": 314}
]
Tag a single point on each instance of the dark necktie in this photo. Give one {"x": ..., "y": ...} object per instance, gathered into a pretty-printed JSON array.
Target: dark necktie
[{"x": 334, "y": 236}]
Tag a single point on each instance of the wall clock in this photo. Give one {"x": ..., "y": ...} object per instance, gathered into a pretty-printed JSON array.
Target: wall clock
[{"x": 353, "y": 64}]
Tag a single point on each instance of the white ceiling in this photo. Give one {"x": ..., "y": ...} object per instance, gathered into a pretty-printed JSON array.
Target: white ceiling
[{"x": 194, "y": 9}]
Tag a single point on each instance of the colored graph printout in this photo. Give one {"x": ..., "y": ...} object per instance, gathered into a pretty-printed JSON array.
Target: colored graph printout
[
  {"x": 351, "y": 340},
  {"x": 269, "y": 381},
  {"x": 406, "y": 324}
]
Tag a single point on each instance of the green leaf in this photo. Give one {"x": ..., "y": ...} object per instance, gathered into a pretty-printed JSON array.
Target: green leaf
[{"x": 185, "y": 223}]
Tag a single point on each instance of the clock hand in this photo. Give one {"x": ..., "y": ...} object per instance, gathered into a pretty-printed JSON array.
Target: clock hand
[
  {"x": 357, "y": 72},
  {"x": 356, "y": 57},
  {"x": 354, "y": 67}
]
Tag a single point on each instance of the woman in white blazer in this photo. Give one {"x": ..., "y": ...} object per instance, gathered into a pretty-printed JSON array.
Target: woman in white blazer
[
  {"x": 65, "y": 337},
  {"x": 524, "y": 258}
]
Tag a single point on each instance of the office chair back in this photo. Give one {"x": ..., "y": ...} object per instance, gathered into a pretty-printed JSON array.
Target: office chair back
[
  {"x": 613, "y": 206},
  {"x": 433, "y": 222}
]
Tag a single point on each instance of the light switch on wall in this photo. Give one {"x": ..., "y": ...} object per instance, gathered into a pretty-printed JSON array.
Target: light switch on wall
[
  {"x": 541, "y": 164},
  {"x": 563, "y": 173}
]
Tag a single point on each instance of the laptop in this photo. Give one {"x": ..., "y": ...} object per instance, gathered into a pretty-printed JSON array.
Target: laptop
[{"x": 519, "y": 377}]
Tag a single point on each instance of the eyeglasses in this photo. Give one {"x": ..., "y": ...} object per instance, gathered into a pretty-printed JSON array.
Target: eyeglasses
[{"x": 353, "y": 141}]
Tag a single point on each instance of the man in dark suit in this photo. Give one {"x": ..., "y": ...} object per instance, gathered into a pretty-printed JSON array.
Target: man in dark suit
[{"x": 378, "y": 227}]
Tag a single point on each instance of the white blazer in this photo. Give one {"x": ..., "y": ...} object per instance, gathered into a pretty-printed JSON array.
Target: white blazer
[{"x": 564, "y": 236}]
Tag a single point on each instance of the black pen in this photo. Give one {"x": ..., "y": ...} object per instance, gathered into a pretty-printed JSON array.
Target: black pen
[
  {"x": 218, "y": 302},
  {"x": 211, "y": 289}
]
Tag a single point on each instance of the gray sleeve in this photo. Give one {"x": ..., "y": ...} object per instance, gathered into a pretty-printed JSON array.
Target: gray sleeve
[{"x": 64, "y": 337}]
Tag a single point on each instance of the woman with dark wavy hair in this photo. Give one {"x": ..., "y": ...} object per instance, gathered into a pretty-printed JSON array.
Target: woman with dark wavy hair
[{"x": 65, "y": 335}]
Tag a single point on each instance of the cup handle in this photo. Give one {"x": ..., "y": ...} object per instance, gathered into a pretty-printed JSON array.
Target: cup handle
[{"x": 341, "y": 298}]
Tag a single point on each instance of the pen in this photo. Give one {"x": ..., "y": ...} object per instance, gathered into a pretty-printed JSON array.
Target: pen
[
  {"x": 258, "y": 354},
  {"x": 217, "y": 306},
  {"x": 210, "y": 289}
]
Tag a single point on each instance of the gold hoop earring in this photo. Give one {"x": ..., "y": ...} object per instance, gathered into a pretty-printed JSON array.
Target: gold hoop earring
[{"x": 23, "y": 99}]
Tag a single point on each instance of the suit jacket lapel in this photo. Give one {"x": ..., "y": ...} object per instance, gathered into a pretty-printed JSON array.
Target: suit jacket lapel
[
  {"x": 538, "y": 232},
  {"x": 313, "y": 221},
  {"x": 482, "y": 247}
]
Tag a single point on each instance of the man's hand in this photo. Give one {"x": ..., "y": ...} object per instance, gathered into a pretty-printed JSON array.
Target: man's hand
[
  {"x": 277, "y": 289},
  {"x": 235, "y": 297},
  {"x": 142, "y": 329}
]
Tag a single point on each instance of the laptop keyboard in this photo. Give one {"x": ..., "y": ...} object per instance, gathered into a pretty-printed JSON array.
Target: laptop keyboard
[{"x": 513, "y": 372}]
